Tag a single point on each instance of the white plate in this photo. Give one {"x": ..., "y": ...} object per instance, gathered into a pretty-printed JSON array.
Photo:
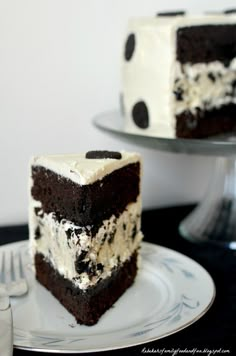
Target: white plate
[{"x": 171, "y": 292}]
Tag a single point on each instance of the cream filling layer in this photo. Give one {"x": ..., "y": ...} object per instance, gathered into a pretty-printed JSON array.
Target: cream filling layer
[
  {"x": 204, "y": 86},
  {"x": 67, "y": 245}
]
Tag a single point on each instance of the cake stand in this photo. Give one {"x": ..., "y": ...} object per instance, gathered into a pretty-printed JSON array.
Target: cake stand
[{"x": 213, "y": 221}]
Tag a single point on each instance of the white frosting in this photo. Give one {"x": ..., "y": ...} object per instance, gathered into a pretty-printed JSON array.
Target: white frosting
[
  {"x": 147, "y": 76},
  {"x": 62, "y": 252},
  {"x": 150, "y": 74},
  {"x": 82, "y": 170}
]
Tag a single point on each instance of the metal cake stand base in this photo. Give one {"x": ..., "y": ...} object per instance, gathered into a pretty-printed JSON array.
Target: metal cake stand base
[{"x": 214, "y": 219}]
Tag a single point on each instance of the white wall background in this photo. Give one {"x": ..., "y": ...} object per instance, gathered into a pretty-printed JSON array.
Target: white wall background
[{"x": 60, "y": 66}]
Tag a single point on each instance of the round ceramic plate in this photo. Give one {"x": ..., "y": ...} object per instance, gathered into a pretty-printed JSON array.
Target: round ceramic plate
[{"x": 171, "y": 292}]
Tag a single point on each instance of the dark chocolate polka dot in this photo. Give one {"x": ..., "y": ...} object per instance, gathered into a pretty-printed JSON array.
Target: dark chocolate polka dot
[
  {"x": 103, "y": 155},
  {"x": 129, "y": 47},
  {"x": 140, "y": 115},
  {"x": 171, "y": 13}
]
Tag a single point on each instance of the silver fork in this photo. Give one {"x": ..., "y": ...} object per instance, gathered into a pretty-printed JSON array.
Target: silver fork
[{"x": 12, "y": 283}]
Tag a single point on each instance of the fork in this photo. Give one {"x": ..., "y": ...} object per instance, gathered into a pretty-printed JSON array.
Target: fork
[{"x": 12, "y": 283}]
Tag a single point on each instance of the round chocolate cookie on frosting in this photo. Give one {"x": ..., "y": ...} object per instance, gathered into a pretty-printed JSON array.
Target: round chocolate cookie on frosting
[
  {"x": 171, "y": 13},
  {"x": 103, "y": 154}
]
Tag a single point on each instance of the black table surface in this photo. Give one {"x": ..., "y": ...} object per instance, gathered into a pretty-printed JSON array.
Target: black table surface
[{"x": 215, "y": 332}]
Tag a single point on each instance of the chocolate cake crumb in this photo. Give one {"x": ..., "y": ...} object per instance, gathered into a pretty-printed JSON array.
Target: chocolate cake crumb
[
  {"x": 37, "y": 233},
  {"x": 68, "y": 233},
  {"x": 100, "y": 267},
  {"x": 134, "y": 232},
  {"x": 212, "y": 77},
  {"x": 179, "y": 94},
  {"x": 81, "y": 266},
  {"x": 111, "y": 236},
  {"x": 233, "y": 87},
  {"x": 38, "y": 212},
  {"x": 104, "y": 238}
]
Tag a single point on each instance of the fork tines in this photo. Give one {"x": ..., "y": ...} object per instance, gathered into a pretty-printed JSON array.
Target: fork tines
[{"x": 12, "y": 273}]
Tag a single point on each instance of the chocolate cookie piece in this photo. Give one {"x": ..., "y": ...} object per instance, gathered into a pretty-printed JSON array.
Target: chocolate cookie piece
[
  {"x": 211, "y": 76},
  {"x": 103, "y": 154},
  {"x": 179, "y": 94},
  {"x": 37, "y": 233},
  {"x": 129, "y": 46},
  {"x": 140, "y": 115}
]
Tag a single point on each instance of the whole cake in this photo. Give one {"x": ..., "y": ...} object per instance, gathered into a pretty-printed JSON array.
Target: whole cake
[
  {"x": 84, "y": 224},
  {"x": 179, "y": 75}
]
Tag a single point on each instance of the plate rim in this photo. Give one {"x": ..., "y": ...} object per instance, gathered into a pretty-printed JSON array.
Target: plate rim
[
  {"x": 224, "y": 144},
  {"x": 144, "y": 341}
]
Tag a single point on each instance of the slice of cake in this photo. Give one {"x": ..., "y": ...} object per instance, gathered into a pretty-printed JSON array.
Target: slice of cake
[
  {"x": 85, "y": 212},
  {"x": 179, "y": 75}
]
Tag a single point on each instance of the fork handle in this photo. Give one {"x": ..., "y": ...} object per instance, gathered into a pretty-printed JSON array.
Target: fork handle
[{"x": 6, "y": 327}]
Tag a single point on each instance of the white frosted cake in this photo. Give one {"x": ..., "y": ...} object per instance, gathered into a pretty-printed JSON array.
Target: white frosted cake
[
  {"x": 85, "y": 217},
  {"x": 179, "y": 75}
]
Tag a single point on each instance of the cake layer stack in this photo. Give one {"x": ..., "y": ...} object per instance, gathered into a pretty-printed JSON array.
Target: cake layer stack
[
  {"x": 179, "y": 75},
  {"x": 85, "y": 217}
]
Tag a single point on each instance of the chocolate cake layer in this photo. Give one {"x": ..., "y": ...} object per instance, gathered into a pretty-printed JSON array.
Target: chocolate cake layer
[
  {"x": 206, "y": 123},
  {"x": 87, "y": 306},
  {"x": 206, "y": 43},
  {"x": 86, "y": 204}
]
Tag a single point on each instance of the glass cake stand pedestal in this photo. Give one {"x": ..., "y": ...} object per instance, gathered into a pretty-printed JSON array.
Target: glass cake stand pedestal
[{"x": 213, "y": 221}]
